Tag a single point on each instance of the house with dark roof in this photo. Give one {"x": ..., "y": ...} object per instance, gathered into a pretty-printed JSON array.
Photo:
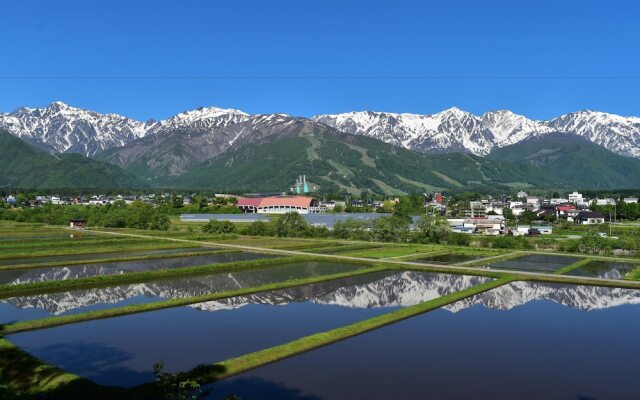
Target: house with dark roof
[{"x": 590, "y": 218}]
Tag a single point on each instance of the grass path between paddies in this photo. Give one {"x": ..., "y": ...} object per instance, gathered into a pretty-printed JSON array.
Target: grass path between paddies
[{"x": 455, "y": 269}]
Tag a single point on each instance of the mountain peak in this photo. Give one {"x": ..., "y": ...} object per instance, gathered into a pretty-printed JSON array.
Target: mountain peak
[{"x": 455, "y": 111}]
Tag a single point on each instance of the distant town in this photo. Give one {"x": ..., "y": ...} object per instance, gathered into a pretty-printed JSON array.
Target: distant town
[{"x": 466, "y": 212}]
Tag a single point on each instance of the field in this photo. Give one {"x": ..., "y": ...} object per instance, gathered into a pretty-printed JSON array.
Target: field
[{"x": 52, "y": 279}]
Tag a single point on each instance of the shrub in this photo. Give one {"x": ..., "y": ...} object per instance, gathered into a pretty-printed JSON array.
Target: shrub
[{"x": 219, "y": 227}]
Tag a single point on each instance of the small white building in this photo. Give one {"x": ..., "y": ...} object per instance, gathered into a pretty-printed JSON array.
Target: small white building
[
  {"x": 605, "y": 202},
  {"x": 99, "y": 202}
]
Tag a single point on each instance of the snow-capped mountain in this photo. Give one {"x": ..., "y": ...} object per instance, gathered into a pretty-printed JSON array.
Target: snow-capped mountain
[
  {"x": 176, "y": 145},
  {"x": 456, "y": 130},
  {"x": 61, "y": 128},
  {"x": 201, "y": 119},
  {"x": 447, "y": 131},
  {"x": 616, "y": 133}
]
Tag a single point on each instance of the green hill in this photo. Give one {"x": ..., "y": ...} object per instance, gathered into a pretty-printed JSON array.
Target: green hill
[
  {"x": 570, "y": 160},
  {"x": 349, "y": 163},
  {"x": 24, "y": 166}
]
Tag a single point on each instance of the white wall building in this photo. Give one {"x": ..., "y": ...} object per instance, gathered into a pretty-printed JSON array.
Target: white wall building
[{"x": 576, "y": 198}]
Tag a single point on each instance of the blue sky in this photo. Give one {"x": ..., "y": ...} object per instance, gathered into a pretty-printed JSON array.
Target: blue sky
[{"x": 149, "y": 59}]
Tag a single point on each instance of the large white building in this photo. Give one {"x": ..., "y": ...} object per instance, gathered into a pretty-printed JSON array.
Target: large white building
[
  {"x": 277, "y": 205},
  {"x": 576, "y": 198}
]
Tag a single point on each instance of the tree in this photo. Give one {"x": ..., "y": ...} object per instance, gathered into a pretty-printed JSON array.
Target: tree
[
  {"x": 353, "y": 229},
  {"x": 390, "y": 229},
  {"x": 507, "y": 213},
  {"x": 291, "y": 224},
  {"x": 259, "y": 228},
  {"x": 432, "y": 229},
  {"x": 219, "y": 227},
  {"x": 387, "y": 206},
  {"x": 159, "y": 222},
  {"x": 592, "y": 242},
  {"x": 177, "y": 201},
  {"x": 174, "y": 387},
  {"x": 528, "y": 217}
]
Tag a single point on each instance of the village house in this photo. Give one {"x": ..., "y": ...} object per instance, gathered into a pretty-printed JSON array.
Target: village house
[{"x": 590, "y": 218}]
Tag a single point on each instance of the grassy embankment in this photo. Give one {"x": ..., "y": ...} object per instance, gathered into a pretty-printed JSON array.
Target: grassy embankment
[
  {"x": 413, "y": 252},
  {"x": 573, "y": 266},
  {"x": 634, "y": 275}
]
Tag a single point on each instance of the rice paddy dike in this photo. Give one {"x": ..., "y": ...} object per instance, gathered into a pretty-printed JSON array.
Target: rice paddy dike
[{"x": 41, "y": 250}]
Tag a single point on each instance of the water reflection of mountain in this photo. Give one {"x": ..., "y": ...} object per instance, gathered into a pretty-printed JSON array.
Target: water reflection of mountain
[
  {"x": 382, "y": 289},
  {"x": 58, "y": 303},
  {"x": 580, "y": 297},
  {"x": 29, "y": 275}
]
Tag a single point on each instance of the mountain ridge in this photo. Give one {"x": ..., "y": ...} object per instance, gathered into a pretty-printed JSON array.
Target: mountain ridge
[{"x": 62, "y": 128}]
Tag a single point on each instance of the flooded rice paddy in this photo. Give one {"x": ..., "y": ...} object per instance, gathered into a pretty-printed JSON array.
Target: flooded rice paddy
[
  {"x": 520, "y": 341},
  {"x": 122, "y": 350},
  {"x": 77, "y": 301},
  {"x": 29, "y": 275},
  {"x": 449, "y": 258},
  {"x": 605, "y": 269},
  {"x": 101, "y": 256},
  {"x": 535, "y": 262}
]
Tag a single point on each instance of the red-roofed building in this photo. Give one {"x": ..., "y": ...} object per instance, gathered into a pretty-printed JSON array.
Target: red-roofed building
[{"x": 277, "y": 204}]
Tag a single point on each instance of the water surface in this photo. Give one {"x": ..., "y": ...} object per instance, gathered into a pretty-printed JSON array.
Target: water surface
[
  {"x": 122, "y": 350},
  {"x": 101, "y": 256},
  {"x": 605, "y": 269},
  {"x": 535, "y": 262},
  {"x": 450, "y": 258},
  {"x": 72, "y": 302},
  {"x": 518, "y": 342}
]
